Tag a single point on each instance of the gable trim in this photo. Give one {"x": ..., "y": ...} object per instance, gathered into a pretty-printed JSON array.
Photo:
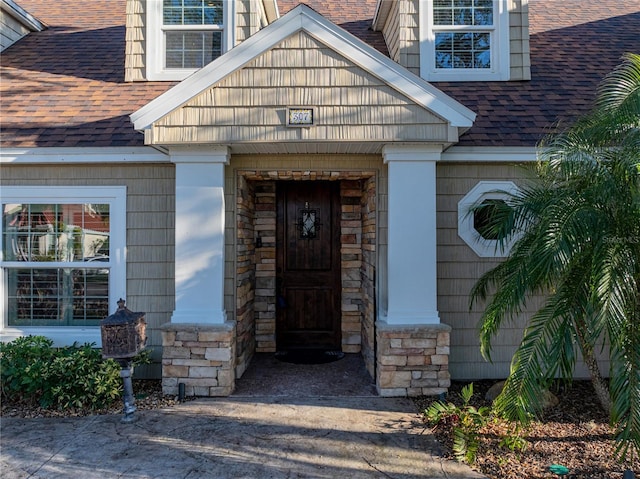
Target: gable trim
[{"x": 304, "y": 18}]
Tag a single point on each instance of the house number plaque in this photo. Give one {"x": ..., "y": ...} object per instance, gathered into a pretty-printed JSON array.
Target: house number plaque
[{"x": 300, "y": 116}]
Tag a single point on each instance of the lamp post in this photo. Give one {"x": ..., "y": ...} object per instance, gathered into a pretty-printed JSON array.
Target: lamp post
[{"x": 123, "y": 337}]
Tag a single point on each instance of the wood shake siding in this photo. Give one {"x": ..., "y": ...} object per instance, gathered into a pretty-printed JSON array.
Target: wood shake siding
[
  {"x": 134, "y": 63},
  {"x": 150, "y": 228},
  {"x": 250, "y": 104},
  {"x": 458, "y": 270},
  {"x": 520, "y": 62},
  {"x": 402, "y": 34},
  {"x": 410, "y": 36},
  {"x": 391, "y": 32},
  {"x": 250, "y": 17}
]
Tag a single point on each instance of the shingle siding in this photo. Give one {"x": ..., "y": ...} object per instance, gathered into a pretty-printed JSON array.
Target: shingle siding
[
  {"x": 134, "y": 69},
  {"x": 248, "y": 105},
  {"x": 458, "y": 270}
]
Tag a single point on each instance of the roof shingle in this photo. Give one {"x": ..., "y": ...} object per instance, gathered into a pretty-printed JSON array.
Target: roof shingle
[{"x": 65, "y": 86}]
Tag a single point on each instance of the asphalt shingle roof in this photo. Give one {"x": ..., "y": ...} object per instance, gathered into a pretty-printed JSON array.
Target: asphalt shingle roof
[{"x": 65, "y": 86}]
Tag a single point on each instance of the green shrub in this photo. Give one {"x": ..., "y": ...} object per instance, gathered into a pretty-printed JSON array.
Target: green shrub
[
  {"x": 33, "y": 370},
  {"x": 79, "y": 377},
  {"x": 22, "y": 362},
  {"x": 465, "y": 422},
  {"x": 513, "y": 439}
]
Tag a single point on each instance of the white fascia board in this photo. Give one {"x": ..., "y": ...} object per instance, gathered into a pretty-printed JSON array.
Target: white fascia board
[
  {"x": 82, "y": 155},
  {"x": 490, "y": 154},
  {"x": 304, "y": 18}
]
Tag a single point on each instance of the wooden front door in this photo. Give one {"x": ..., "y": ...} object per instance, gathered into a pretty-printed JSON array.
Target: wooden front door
[{"x": 308, "y": 283}]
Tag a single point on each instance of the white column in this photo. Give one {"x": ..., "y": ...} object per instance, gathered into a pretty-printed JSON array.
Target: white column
[
  {"x": 199, "y": 253},
  {"x": 411, "y": 250}
]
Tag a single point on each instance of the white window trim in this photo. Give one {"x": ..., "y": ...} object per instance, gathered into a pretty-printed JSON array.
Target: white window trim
[
  {"x": 500, "y": 55},
  {"x": 155, "y": 70},
  {"x": 114, "y": 195},
  {"x": 484, "y": 190}
]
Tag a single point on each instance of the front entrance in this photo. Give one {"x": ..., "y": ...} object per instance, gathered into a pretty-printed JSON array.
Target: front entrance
[
  {"x": 285, "y": 296},
  {"x": 308, "y": 280}
]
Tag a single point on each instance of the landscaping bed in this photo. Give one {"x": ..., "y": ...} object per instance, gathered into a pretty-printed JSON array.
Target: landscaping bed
[
  {"x": 148, "y": 394},
  {"x": 575, "y": 434}
]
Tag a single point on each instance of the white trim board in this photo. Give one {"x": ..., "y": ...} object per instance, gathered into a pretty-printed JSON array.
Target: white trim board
[
  {"x": 455, "y": 154},
  {"x": 304, "y": 18},
  {"x": 82, "y": 155},
  {"x": 490, "y": 154}
]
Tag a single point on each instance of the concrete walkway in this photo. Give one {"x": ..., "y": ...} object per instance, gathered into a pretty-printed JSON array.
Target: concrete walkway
[
  {"x": 245, "y": 436},
  {"x": 283, "y": 421}
]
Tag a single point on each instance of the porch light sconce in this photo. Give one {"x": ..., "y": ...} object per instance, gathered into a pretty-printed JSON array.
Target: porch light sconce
[
  {"x": 308, "y": 223},
  {"x": 259, "y": 241}
]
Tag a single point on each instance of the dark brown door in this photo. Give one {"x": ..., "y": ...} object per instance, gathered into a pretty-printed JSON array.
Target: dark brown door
[{"x": 308, "y": 285}]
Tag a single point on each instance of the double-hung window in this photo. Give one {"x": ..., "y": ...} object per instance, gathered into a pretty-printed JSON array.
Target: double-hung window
[
  {"x": 464, "y": 40},
  {"x": 62, "y": 260},
  {"x": 185, "y": 35}
]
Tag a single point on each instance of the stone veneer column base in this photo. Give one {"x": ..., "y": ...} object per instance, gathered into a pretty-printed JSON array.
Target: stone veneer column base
[
  {"x": 201, "y": 356},
  {"x": 412, "y": 360}
]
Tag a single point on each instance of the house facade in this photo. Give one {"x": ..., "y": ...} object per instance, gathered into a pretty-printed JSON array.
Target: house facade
[{"x": 260, "y": 175}]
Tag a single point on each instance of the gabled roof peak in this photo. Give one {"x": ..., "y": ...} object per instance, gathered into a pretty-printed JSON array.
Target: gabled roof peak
[{"x": 305, "y": 18}]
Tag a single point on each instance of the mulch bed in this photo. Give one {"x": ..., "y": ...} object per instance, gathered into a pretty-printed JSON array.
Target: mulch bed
[
  {"x": 148, "y": 394},
  {"x": 575, "y": 434}
]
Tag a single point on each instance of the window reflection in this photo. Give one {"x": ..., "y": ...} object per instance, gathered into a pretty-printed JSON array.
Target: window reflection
[{"x": 36, "y": 234}]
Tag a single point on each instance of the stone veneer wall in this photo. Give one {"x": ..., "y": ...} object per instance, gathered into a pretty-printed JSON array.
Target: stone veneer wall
[
  {"x": 351, "y": 264},
  {"x": 368, "y": 273},
  {"x": 200, "y": 356},
  {"x": 246, "y": 276},
  {"x": 412, "y": 360},
  {"x": 265, "y": 266}
]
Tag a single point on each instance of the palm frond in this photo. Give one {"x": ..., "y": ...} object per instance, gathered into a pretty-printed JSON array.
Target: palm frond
[
  {"x": 620, "y": 90},
  {"x": 536, "y": 361},
  {"x": 625, "y": 388},
  {"x": 579, "y": 222}
]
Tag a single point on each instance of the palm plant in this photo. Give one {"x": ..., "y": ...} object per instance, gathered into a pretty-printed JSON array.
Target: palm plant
[{"x": 579, "y": 224}]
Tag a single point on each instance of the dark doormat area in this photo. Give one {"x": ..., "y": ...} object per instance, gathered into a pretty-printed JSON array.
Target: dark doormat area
[
  {"x": 309, "y": 356},
  {"x": 267, "y": 376}
]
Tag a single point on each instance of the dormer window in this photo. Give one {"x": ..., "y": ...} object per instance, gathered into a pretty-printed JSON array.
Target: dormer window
[
  {"x": 185, "y": 35},
  {"x": 464, "y": 40}
]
